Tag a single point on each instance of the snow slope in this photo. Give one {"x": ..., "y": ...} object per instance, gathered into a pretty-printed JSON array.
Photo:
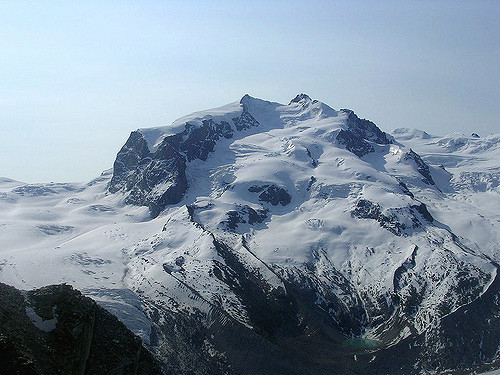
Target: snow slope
[{"x": 470, "y": 188}]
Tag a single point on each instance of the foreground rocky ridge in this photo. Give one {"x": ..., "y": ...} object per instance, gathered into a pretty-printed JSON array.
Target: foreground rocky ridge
[
  {"x": 55, "y": 330},
  {"x": 267, "y": 238}
]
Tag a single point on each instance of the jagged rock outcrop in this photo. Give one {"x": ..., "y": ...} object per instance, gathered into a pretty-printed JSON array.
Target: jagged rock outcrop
[
  {"x": 55, "y": 330},
  {"x": 359, "y": 133},
  {"x": 271, "y": 194},
  {"x": 421, "y": 166},
  {"x": 243, "y": 215},
  {"x": 157, "y": 178},
  {"x": 395, "y": 220},
  {"x": 357, "y": 145},
  {"x": 365, "y": 129}
]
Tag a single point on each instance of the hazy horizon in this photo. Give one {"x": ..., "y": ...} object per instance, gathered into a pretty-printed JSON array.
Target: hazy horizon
[{"x": 77, "y": 78}]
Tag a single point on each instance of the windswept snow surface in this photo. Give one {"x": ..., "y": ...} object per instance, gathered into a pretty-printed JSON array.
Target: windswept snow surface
[
  {"x": 75, "y": 234},
  {"x": 494, "y": 372},
  {"x": 469, "y": 200},
  {"x": 353, "y": 227}
]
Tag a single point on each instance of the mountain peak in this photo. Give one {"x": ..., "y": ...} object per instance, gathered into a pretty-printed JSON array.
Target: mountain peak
[
  {"x": 245, "y": 99},
  {"x": 250, "y": 101},
  {"x": 301, "y": 97}
]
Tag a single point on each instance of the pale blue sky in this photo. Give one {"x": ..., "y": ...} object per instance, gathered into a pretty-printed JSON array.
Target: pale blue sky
[{"x": 77, "y": 76}]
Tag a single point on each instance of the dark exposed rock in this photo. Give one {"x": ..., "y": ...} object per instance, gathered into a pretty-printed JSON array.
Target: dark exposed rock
[
  {"x": 198, "y": 142},
  {"x": 314, "y": 162},
  {"x": 55, "y": 330},
  {"x": 180, "y": 260},
  {"x": 310, "y": 183},
  {"x": 244, "y": 214},
  {"x": 129, "y": 158},
  {"x": 255, "y": 216},
  {"x": 475, "y": 135},
  {"x": 357, "y": 145},
  {"x": 359, "y": 133},
  {"x": 465, "y": 342},
  {"x": 365, "y": 129},
  {"x": 245, "y": 120},
  {"x": 256, "y": 189},
  {"x": 162, "y": 183},
  {"x": 275, "y": 195},
  {"x": 405, "y": 189},
  {"x": 139, "y": 171},
  {"x": 232, "y": 221},
  {"x": 365, "y": 209},
  {"x": 407, "y": 264},
  {"x": 271, "y": 194},
  {"x": 421, "y": 165},
  {"x": 422, "y": 209},
  {"x": 300, "y": 97}
]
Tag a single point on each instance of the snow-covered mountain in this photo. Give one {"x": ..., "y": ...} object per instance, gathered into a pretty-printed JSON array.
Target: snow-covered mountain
[{"x": 267, "y": 238}]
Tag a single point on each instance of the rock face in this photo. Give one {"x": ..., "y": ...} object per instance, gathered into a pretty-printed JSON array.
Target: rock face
[
  {"x": 357, "y": 145},
  {"x": 365, "y": 129},
  {"x": 55, "y": 330},
  {"x": 421, "y": 166},
  {"x": 463, "y": 340},
  {"x": 359, "y": 135},
  {"x": 271, "y": 194},
  {"x": 394, "y": 220},
  {"x": 243, "y": 215},
  {"x": 158, "y": 178},
  {"x": 141, "y": 173}
]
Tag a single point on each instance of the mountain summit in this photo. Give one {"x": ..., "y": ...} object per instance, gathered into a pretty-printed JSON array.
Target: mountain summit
[
  {"x": 151, "y": 166},
  {"x": 262, "y": 238}
]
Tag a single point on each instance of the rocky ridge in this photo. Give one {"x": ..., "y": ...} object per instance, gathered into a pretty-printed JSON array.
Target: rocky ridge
[{"x": 56, "y": 330}]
